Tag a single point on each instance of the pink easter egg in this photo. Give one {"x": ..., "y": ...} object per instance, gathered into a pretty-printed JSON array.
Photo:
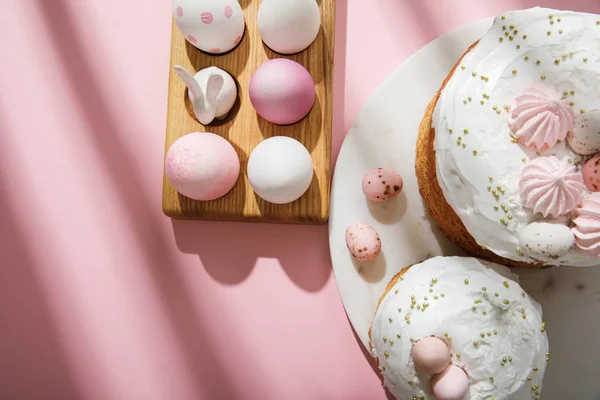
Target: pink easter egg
[
  {"x": 363, "y": 242},
  {"x": 179, "y": 11},
  {"x": 381, "y": 184},
  {"x": 431, "y": 355},
  {"x": 228, "y": 12},
  {"x": 202, "y": 166},
  {"x": 282, "y": 91},
  {"x": 591, "y": 173},
  {"x": 206, "y": 17},
  {"x": 452, "y": 384}
]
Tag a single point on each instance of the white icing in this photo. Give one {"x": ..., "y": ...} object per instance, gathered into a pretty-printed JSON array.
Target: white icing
[
  {"x": 463, "y": 176},
  {"x": 506, "y": 333}
]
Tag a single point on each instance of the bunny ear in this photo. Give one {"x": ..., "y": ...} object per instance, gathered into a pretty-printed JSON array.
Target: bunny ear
[
  {"x": 213, "y": 88},
  {"x": 191, "y": 83}
]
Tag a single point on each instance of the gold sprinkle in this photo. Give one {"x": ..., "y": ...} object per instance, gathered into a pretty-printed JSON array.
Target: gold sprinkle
[
  {"x": 549, "y": 33},
  {"x": 386, "y": 354},
  {"x": 550, "y": 16},
  {"x": 504, "y": 208},
  {"x": 491, "y": 178},
  {"x": 524, "y": 316},
  {"x": 391, "y": 342},
  {"x": 482, "y": 334},
  {"x": 501, "y": 189},
  {"x": 474, "y": 73},
  {"x": 501, "y": 39},
  {"x": 464, "y": 102},
  {"x": 560, "y": 31},
  {"x": 466, "y": 131},
  {"x": 474, "y": 308},
  {"x": 474, "y": 152},
  {"x": 518, "y": 46},
  {"x": 570, "y": 161},
  {"x": 505, "y": 283},
  {"x": 564, "y": 57},
  {"x": 558, "y": 19},
  {"x": 489, "y": 333},
  {"x": 398, "y": 336},
  {"x": 391, "y": 319},
  {"x": 464, "y": 145},
  {"x": 509, "y": 359},
  {"x": 475, "y": 344},
  {"x": 396, "y": 291},
  {"x": 514, "y": 71},
  {"x": 384, "y": 368},
  {"x": 385, "y": 339},
  {"x": 506, "y": 33},
  {"x": 526, "y": 58},
  {"x": 510, "y": 217},
  {"x": 435, "y": 297},
  {"x": 399, "y": 310},
  {"x": 458, "y": 355},
  {"x": 510, "y": 38},
  {"x": 484, "y": 312},
  {"x": 516, "y": 31},
  {"x": 462, "y": 67},
  {"x": 571, "y": 103},
  {"x": 491, "y": 378},
  {"x": 410, "y": 383},
  {"x": 504, "y": 28},
  {"x": 598, "y": 22},
  {"x": 489, "y": 188},
  {"x": 496, "y": 208},
  {"x": 450, "y": 130},
  {"x": 412, "y": 340},
  {"x": 529, "y": 378},
  {"x": 543, "y": 77},
  {"x": 557, "y": 61},
  {"x": 496, "y": 294},
  {"x": 582, "y": 111},
  {"x": 551, "y": 22},
  {"x": 466, "y": 281},
  {"x": 495, "y": 332},
  {"x": 535, "y": 369},
  {"x": 522, "y": 293},
  {"x": 572, "y": 92},
  {"x": 506, "y": 302},
  {"x": 443, "y": 295},
  {"x": 430, "y": 290},
  {"x": 585, "y": 59},
  {"x": 524, "y": 36},
  {"x": 566, "y": 93},
  {"x": 538, "y": 62},
  {"x": 524, "y": 159},
  {"x": 512, "y": 27},
  {"x": 469, "y": 98},
  {"x": 482, "y": 102},
  {"x": 484, "y": 288},
  {"x": 503, "y": 17}
]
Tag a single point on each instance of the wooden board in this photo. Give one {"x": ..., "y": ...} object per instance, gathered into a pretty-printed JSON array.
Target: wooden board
[{"x": 245, "y": 129}]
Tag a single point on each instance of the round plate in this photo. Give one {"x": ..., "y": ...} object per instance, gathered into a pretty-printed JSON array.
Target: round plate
[{"x": 384, "y": 135}]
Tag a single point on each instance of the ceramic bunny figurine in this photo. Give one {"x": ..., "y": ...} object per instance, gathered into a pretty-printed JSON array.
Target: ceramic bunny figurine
[{"x": 212, "y": 92}]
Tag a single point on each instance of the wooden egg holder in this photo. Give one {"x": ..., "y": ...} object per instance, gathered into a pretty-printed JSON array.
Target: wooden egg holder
[{"x": 244, "y": 128}]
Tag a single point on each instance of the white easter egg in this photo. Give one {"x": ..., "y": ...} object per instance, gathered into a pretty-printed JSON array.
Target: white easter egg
[
  {"x": 585, "y": 137},
  {"x": 213, "y": 26},
  {"x": 288, "y": 26},
  {"x": 545, "y": 240},
  {"x": 280, "y": 169}
]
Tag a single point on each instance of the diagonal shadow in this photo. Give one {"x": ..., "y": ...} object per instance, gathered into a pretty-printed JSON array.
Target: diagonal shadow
[
  {"x": 107, "y": 134},
  {"x": 32, "y": 356}
]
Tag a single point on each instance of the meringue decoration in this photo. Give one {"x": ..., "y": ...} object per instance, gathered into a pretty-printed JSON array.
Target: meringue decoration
[
  {"x": 584, "y": 139},
  {"x": 431, "y": 355},
  {"x": 587, "y": 225},
  {"x": 591, "y": 173},
  {"x": 452, "y": 384},
  {"x": 540, "y": 117},
  {"x": 550, "y": 186},
  {"x": 546, "y": 240}
]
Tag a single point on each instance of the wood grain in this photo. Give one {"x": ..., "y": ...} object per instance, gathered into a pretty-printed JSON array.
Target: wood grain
[{"x": 245, "y": 129}]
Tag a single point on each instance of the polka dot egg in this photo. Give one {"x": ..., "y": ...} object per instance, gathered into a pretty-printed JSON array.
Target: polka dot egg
[
  {"x": 363, "y": 241},
  {"x": 591, "y": 173},
  {"x": 213, "y": 26},
  {"x": 381, "y": 184}
]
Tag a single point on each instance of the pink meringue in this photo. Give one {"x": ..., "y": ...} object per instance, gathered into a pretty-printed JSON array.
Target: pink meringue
[
  {"x": 551, "y": 186},
  {"x": 540, "y": 117},
  {"x": 587, "y": 225}
]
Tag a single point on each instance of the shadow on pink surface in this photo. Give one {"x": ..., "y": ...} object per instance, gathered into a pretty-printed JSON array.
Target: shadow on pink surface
[
  {"x": 32, "y": 356},
  {"x": 229, "y": 250},
  {"x": 145, "y": 221}
]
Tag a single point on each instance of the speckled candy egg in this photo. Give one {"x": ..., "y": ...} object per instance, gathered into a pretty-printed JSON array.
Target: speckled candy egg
[
  {"x": 202, "y": 166},
  {"x": 381, "y": 184},
  {"x": 584, "y": 139},
  {"x": 363, "y": 242},
  {"x": 452, "y": 384},
  {"x": 213, "y": 26},
  {"x": 591, "y": 173},
  {"x": 545, "y": 240}
]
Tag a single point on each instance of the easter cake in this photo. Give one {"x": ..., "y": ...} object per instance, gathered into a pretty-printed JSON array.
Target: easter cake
[
  {"x": 508, "y": 152},
  {"x": 454, "y": 328}
]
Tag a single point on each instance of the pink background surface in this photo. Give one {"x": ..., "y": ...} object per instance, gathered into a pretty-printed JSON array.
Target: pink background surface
[{"x": 101, "y": 296}]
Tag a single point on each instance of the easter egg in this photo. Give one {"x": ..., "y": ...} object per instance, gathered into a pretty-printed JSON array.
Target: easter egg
[
  {"x": 452, "y": 384},
  {"x": 202, "y": 166},
  {"x": 584, "y": 139},
  {"x": 288, "y": 26},
  {"x": 280, "y": 169},
  {"x": 381, "y": 184},
  {"x": 213, "y": 26},
  {"x": 545, "y": 240},
  {"x": 282, "y": 91},
  {"x": 591, "y": 173},
  {"x": 431, "y": 355},
  {"x": 363, "y": 242}
]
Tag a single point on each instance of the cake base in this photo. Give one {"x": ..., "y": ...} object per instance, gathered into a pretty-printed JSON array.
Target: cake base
[{"x": 431, "y": 192}]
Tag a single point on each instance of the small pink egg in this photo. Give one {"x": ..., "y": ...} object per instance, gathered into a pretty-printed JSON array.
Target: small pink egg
[
  {"x": 591, "y": 173},
  {"x": 381, "y": 184},
  {"x": 431, "y": 355},
  {"x": 363, "y": 242},
  {"x": 452, "y": 384},
  {"x": 282, "y": 91},
  {"x": 202, "y": 166}
]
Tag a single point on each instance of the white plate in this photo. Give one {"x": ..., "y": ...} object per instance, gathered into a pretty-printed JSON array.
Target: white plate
[{"x": 384, "y": 135}]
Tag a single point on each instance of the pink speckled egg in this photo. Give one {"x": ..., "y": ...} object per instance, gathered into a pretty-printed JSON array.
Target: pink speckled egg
[
  {"x": 202, "y": 166},
  {"x": 452, "y": 384},
  {"x": 591, "y": 173},
  {"x": 431, "y": 355},
  {"x": 363, "y": 242},
  {"x": 382, "y": 184},
  {"x": 282, "y": 91}
]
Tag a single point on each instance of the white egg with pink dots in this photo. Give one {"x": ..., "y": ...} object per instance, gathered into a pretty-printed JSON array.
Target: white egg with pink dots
[{"x": 213, "y": 26}]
